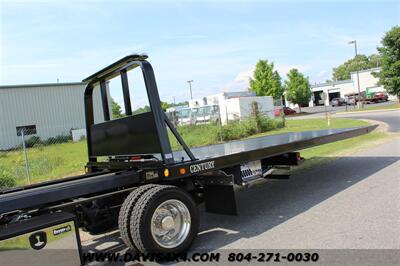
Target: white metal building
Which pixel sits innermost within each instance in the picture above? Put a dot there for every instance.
(218, 98)
(236, 105)
(344, 88)
(242, 107)
(44, 110)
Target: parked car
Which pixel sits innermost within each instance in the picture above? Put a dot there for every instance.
(289, 111)
(351, 100)
(382, 96)
(286, 111)
(338, 102)
(377, 97)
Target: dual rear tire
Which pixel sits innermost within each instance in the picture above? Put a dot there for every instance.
(158, 218)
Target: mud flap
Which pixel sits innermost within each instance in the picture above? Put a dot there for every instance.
(220, 199)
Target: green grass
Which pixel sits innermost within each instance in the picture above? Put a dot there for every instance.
(61, 160)
(371, 107)
(46, 162)
(314, 124)
(343, 147)
(199, 135)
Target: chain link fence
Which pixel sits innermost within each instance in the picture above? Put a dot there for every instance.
(36, 155)
(213, 125)
(28, 157)
(213, 114)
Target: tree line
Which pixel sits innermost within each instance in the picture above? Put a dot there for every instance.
(267, 82)
(117, 110)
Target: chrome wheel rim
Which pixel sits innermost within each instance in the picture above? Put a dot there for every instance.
(170, 223)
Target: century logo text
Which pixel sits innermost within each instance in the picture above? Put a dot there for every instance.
(201, 167)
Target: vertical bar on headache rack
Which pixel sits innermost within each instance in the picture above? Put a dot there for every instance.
(28, 173)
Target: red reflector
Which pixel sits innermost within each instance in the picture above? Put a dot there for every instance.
(135, 158)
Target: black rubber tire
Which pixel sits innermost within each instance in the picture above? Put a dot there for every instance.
(124, 218)
(143, 212)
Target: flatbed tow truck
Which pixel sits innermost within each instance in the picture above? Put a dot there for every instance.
(134, 181)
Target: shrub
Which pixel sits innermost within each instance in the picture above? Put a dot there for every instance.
(241, 129)
(33, 141)
(237, 129)
(6, 180)
(58, 139)
(267, 124)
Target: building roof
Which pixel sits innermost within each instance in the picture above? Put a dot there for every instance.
(41, 85)
(367, 70)
(331, 83)
(344, 81)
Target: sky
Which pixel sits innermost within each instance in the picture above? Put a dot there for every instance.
(215, 44)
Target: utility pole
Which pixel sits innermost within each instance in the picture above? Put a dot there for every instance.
(190, 88)
(359, 103)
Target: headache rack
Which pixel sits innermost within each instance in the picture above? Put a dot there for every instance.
(139, 134)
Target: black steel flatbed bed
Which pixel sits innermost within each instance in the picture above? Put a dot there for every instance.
(275, 144)
(224, 155)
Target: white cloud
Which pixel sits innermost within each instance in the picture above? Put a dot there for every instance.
(189, 36)
(241, 81)
(283, 70)
(322, 73)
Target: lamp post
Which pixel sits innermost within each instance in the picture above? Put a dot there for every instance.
(359, 103)
(190, 88)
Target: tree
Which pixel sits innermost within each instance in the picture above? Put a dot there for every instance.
(179, 104)
(266, 82)
(165, 106)
(116, 109)
(375, 60)
(298, 89)
(360, 62)
(141, 110)
(389, 76)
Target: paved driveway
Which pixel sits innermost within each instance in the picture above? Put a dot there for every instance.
(390, 117)
(352, 202)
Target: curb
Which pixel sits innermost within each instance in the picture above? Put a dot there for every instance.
(367, 111)
(382, 126)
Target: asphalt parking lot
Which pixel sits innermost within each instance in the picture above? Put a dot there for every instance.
(320, 109)
(389, 117)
